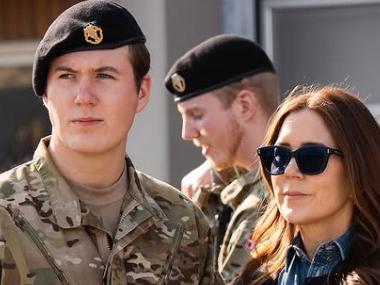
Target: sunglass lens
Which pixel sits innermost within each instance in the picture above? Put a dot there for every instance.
(275, 159)
(311, 160)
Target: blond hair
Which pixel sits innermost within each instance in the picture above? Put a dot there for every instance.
(264, 85)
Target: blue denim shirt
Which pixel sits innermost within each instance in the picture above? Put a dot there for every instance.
(299, 267)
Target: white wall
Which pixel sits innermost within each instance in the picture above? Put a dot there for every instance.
(325, 42)
(171, 27)
(148, 140)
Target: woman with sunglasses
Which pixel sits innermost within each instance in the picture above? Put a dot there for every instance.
(321, 165)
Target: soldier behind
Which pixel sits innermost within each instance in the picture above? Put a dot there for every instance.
(226, 90)
(79, 212)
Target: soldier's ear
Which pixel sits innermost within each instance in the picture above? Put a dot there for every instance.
(44, 99)
(246, 104)
(144, 93)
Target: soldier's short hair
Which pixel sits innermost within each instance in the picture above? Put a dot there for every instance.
(264, 85)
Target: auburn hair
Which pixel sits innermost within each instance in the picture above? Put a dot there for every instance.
(357, 134)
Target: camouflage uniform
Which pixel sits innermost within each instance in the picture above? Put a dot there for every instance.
(44, 233)
(245, 195)
(208, 196)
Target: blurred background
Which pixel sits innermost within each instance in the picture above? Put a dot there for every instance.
(310, 41)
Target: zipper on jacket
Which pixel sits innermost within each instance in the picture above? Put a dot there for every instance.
(27, 228)
(178, 235)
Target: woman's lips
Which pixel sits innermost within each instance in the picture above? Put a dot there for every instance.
(293, 195)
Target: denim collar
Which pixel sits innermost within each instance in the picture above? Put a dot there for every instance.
(340, 247)
(299, 267)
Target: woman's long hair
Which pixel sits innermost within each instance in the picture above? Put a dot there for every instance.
(357, 134)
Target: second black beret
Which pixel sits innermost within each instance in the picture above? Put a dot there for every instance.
(215, 63)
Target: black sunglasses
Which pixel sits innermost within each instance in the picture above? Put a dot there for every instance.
(311, 159)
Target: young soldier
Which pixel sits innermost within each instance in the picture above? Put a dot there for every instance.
(79, 212)
(226, 90)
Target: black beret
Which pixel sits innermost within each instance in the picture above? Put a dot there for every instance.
(88, 25)
(215, 63)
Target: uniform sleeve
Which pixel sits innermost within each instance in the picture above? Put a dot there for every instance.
(207, 197)
(209, 274)
(2, 247)
(238, 251)
(8, 267)
(208, 201)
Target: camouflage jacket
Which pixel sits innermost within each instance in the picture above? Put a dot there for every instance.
(246, 196)
(207, 197)
(162, 238)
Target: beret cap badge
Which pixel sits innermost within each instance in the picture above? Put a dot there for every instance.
(93, 34)
(178, 82)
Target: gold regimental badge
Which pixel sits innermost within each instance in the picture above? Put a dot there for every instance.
(93, 34)
(178, 82)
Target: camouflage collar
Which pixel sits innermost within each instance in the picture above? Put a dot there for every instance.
(137, 191)
(226, 176)
(64, 203)
(234, 193)
(140, 213)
